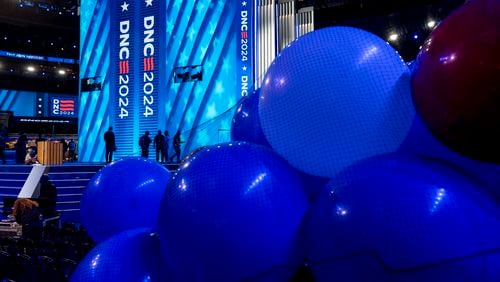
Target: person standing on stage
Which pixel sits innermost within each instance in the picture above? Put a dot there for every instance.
(144, 143)
(159, 144)
(71, 150)
(21, 150)
(109, 139)
(177, 146)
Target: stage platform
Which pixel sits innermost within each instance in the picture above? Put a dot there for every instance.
(70, 179)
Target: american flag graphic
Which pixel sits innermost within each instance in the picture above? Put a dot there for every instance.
(67, 105)
(149, 64)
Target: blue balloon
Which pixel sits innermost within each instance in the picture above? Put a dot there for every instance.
(123, 195)
(245, 125)
(133, 255)
(333, 97)
(231, 212)
(420, 141)
(398, 218)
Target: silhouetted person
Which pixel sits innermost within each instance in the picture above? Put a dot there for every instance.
(22, 140)
(144, 143)
(71, 150)
(159, 145)
(109, 139)
(177, 146)
(27, 213)
(48, 196)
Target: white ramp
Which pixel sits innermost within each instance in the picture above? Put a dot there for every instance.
(31, 189)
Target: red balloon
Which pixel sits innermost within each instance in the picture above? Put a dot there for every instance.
(456, 78)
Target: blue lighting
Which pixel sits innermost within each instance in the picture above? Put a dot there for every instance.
(186, 33)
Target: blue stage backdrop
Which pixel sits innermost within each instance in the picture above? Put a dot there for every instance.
(163, 65)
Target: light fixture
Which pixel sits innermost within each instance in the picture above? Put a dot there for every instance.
(30, 68)
(61, 72)
(431, 24)
(393, 37)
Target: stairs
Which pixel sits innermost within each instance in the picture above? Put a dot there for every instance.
(12, 178)
(70, 182)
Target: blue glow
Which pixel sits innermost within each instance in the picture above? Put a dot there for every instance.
(440, 195)
(202, 33)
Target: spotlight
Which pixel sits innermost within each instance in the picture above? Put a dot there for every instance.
(61, 72)
(393, 37)
(431, 24)
(30, 68)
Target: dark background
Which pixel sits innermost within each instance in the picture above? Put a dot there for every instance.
(51, 28)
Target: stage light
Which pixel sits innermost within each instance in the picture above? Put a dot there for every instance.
(393, 37)
(5, 38)
(61, 72)
(431, 24)
(30, 68)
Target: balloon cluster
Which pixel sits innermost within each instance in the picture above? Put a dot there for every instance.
(344, 163)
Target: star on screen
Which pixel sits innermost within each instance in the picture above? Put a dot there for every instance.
(124, 6)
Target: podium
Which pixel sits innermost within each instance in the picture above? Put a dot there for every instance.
(50, 152)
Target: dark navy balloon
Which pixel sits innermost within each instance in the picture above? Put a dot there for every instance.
(333, 97)
(133, 255)
(231, 212)
(123, 195)
(420, 141)
(396, 218)
(245, 125)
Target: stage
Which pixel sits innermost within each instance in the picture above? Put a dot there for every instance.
(70, 179)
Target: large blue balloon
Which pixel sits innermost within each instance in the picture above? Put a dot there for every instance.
(231, 212)
(396, 218)
(123, 195)
(333, 97)
(133, 255)
(245, 125)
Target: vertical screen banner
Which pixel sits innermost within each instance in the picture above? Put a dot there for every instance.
(245, 50)
(123, 59)
(149, 60)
